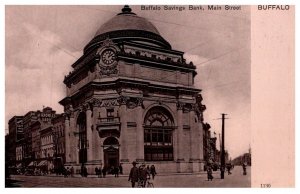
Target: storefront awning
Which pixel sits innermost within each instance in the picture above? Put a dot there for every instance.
(43, 163)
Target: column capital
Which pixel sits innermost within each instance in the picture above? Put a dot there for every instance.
(69, 112)
(94, 102)
(122, 100)
(180, 105)
(139, 101)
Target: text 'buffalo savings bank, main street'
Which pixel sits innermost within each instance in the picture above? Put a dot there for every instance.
(130, 97)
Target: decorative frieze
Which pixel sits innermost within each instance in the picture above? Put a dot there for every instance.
(110, 102)
(108, 70)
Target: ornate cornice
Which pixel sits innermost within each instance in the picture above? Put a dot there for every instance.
(136, 56)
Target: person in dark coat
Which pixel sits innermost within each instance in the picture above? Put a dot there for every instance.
(152, 171)
(244, 169)
(228, 166)
(121, 168)
(209, 173)
(85, 173)
(116, 171)
(143, 174)
(82, 170)
(104, 171)
(97, 171)
(72, 171)
(134, 174)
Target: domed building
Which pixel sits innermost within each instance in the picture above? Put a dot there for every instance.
(131, 97)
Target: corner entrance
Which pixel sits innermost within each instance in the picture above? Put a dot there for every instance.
(111, 153)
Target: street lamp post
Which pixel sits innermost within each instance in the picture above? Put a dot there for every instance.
(223, 147)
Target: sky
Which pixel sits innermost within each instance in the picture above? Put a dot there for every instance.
(42, 42)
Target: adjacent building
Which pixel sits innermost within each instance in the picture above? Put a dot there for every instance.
(24, 146)
(15, 128)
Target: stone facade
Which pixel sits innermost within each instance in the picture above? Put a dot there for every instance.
(130, 97)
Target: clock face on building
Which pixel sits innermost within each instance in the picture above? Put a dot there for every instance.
(108, 57)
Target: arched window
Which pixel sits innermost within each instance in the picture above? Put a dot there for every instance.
(82, 144)
(158, 135)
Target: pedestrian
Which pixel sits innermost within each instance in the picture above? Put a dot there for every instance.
(152, 171)
(116, 171)
(99, 172)
(244, 169)
(65, 172)
(96, 171)
(148, 172)
(228, 166)
(85, 172)
(134, 174)
(209, 173)
(143, 174)
(72, 171)
(82, 170)
(121, 168)
(104, 171)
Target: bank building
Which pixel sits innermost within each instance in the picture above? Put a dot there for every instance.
(131, 97)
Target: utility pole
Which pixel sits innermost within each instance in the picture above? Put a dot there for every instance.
(223, 147)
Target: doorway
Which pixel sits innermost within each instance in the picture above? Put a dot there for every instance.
(111, 153)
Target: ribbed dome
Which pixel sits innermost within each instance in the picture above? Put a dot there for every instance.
(127, 20)
(128, 26)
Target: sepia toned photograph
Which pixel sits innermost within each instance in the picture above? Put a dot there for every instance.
(121, 96)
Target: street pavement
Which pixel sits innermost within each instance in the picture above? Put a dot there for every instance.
(235, 180)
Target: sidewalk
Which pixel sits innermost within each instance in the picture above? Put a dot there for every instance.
(126, 175)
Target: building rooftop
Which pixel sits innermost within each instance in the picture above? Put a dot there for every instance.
(127, 20)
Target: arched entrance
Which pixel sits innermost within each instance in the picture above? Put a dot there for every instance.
(111, 152)
(158, 135)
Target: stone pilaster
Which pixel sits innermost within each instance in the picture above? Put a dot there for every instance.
(73, 141)
(193, 137)
(67, 140)
(96, 138)
(200, 132)
(123, 135)
(179, 132)
(139, 132)
(89, 134)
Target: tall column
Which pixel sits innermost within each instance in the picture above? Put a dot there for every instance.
(194, 149)
(89, 134)
(139, 132)
(179, 132)
(73, 140)
(67, 140)
(124, 134)
(101, 114)
(201, 155)
(96, 138)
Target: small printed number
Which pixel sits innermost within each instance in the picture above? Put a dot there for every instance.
(265, 185)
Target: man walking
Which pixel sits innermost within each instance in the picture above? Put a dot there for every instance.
(153, 171)
(134, 174)
(97, 171)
